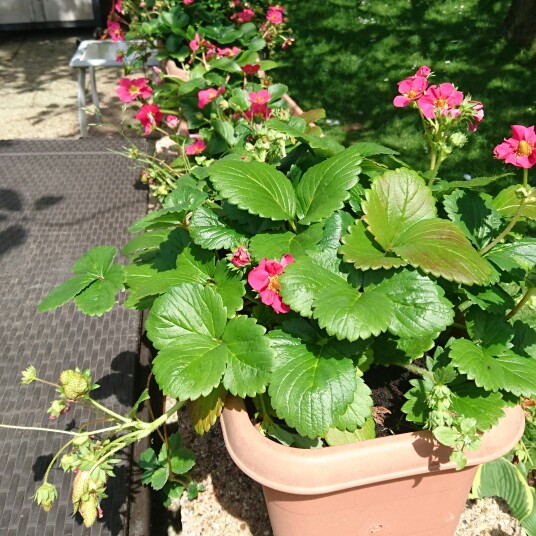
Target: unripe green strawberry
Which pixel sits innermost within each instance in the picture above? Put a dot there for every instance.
(46, 495)
(88, 510)
(80, 486)
(74, 384)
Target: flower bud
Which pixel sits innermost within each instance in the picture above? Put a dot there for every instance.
(58, 408)
(458, 139)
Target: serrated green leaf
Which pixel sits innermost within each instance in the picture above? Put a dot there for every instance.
(476, 217)
(249, 358)
(524, 340)
(256, 187)
(492, 331)
(507, 203)
(65, 292)
(342, 437)
(160, 219)
(360, 409)
(187, 309)
(443, 187)
(301, 281)
(204, 411)
(391, 350)
(99, 296)
(196, 263)
(191, 367)
(274, 246)
(345, 312)
(500, 478)
(323, 188)
(495, 299)
(95, 262)
(360, 249)
(471, 401)
(512, 255)
(209, 232)
(149, 241)
(309, 392)
(445, 435)
(508, 371)
(159, 478)
(401, 215)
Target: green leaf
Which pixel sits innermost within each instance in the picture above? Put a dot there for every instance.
(491, 331)
(99, 296)
(507, 203)
(369, 148)
(149, 241)
(345, 312)
(160, 219)
(209, 232)
(250, 356)
(529, 522)
(360, 249)
(196, 263)
(230, 286)
(225, 130)
(159, 478)
(256, 187)
(277, 91)
(500, 478)
(301, 281)
(356, 414)
(141, 399)
(443, 187)
(95, 262)
(445, 435)
(182, 459)
(309, 392)
(187, 309)
(401, 215)
(324, 187)
(65, 292)
(495, 299)
(274, 246)
(191, 367)
(204, 411)
(512, 255)
(342, 437)
(508, 371)
(471, 401)
(476, 217)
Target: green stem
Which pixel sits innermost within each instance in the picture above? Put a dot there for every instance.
(53, 461)
(39, 429)
(521, 303)
(509, 227)
(108, 411)
(46, 383)
(419, 371)
(525, 177)
(293, 226)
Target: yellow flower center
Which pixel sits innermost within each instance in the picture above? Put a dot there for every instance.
(441, 103)
(524, 148)
(133, 89)
(274, 283)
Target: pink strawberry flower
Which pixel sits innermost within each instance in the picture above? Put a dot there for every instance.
(243, 16)
(275, 16)
(195, 43)
(520, 149)
(114, 29)
(197, 147)
(188, 2)
(265, 279)
(251, 69)
(130, 90)
(410, 89)
(228, 52)
(149, 116)
(118, 6)
(206, 96)
(261, 97)
(172, 121)
(423, 71)
(478, 115)
(287, 42)
(157, 75)
(240, 257)
(442, 99)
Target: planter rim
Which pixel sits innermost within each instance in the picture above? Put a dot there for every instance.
(330, 469)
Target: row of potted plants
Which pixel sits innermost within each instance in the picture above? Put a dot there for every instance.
(295, 274)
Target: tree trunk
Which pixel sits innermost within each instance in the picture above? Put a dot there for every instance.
(520, 22)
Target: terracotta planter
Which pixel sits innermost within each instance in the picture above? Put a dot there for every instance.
(397, 485)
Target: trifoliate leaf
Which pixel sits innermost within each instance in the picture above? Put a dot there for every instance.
(65, 292)
(309, 392)
(507, 371)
